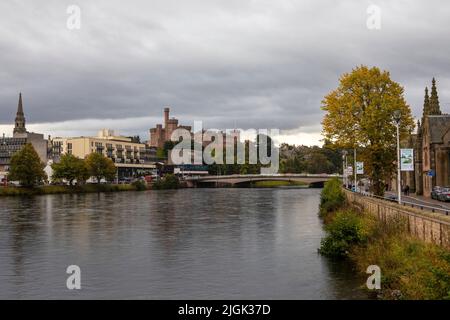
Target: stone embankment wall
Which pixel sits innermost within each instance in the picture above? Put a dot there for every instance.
(425, 225)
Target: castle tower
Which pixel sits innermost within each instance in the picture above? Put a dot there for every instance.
(166, 116)
(19, 126)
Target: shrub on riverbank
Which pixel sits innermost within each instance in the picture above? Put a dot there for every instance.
(410, 268)
(139, 185)
(346, 229)
(332, 197)
(88, 188)
(169, 181)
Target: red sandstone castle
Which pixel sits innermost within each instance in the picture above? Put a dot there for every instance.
(159, 135)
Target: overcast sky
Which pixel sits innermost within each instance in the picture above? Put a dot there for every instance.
(228, 63)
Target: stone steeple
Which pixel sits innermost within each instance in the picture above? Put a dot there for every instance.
(426, 105)
(435, 109)
(19, 126)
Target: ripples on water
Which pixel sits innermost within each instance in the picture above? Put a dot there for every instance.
(176, 244)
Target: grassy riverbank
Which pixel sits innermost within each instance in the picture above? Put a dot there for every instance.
(410, 268)
(88, 188)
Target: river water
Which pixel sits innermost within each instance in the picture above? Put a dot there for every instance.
(174, 244)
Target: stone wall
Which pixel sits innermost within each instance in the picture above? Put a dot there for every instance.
(424, 225)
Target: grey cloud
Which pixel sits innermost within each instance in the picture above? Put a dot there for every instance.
(260, 64)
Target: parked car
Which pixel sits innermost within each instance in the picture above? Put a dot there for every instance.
(436, 191)
(444, 195)
(392, 198)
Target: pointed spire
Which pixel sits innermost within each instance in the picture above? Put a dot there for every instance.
(20, 107)
(426, 105)
(435, 109)
(19, 126)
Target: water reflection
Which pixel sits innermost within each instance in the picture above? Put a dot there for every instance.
(191, 243)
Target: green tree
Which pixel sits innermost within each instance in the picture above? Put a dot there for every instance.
(70, 168)
(168, 145)
(319, 163)
(359, 114)
(160, 153)
(26, 167)
(301, 159)
(100, 167)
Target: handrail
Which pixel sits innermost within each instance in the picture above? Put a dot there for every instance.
(404, 203)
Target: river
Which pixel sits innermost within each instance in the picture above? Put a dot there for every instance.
(174, 244)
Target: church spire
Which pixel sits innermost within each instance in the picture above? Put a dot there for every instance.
(426, 105)
(435, 109)
(19, 126)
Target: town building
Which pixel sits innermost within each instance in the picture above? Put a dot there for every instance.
(10, 145)
(160, 134)
(431, 146)
(131, 158)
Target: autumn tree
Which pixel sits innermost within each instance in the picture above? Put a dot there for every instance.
(100, 167)
(359, 114)
(70, 168)
(26, 167)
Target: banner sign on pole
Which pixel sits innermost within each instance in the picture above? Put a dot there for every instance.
(407, 159)
(359, 167)
(350, 171)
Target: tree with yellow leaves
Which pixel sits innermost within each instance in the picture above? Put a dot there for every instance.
(359, 114)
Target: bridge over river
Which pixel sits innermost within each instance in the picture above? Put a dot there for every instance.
(313, 180)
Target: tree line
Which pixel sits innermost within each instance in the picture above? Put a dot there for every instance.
(304, 159)
(27, 168)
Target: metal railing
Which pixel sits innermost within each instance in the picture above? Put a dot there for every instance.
(276, 175)
(441, 209)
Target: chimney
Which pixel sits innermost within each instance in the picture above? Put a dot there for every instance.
(166, 116)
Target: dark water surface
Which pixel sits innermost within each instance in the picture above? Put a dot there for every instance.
(177, 244)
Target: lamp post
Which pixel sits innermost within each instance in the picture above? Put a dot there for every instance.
(344, 165)
(354, 168)
(397, 118)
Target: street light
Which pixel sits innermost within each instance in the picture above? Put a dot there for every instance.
(397, 118)
(354, 169)
(344, 164)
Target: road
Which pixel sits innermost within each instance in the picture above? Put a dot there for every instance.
(421, 200)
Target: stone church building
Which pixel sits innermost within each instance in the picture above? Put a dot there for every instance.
(431, 146)
(21, 136)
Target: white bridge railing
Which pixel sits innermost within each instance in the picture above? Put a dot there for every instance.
(259, 176)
